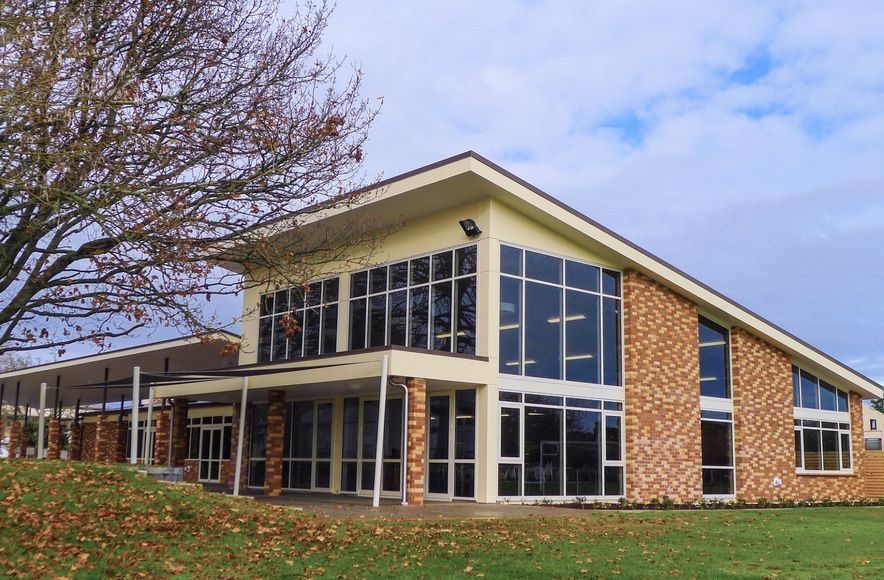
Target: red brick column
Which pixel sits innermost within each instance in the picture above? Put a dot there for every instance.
(15, 437)
(229, 468)
(53, 451)
(179, 432)
(417, 441)
(275, 427)
(662, 389)
(117, 451)
(75, 451)
(162, 437)
(100, 436)
(3, 430)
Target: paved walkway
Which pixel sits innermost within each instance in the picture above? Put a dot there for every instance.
(355, 507)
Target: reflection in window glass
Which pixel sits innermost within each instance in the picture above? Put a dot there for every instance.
(438, 436)
(420, 312)
(583, 452)
(509, 480)
(828, 397)
(465, 424)
(442, 316)
(611, 338)
(510, 325)
(809, 391)
(543, 331)
(465, 300)
(717, 457)
(543, 451)
(813, 459)
(714, 356)
(582, 337)
(543, 267)
(510, 436)
(583, 276)
(398, 317)
(511, 260)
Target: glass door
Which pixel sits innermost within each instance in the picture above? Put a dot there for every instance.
(307, 447)
(210, 454)
(451, 449)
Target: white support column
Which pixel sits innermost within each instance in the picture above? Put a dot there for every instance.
(237, 470)
(41, 421)
(136, 402)
(145, 456)
(379, 450)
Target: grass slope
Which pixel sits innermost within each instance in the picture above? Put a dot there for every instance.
(83, 520)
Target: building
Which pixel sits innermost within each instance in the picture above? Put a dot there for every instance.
(873, 428)
(524, 352)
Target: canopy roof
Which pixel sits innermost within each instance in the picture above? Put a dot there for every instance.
(88, 373)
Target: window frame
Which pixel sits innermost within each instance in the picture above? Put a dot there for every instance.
(733, 467)
(728, 370)
(410, 286)
(564, 287)
(320, 307)
(799, 427)
(564, 407)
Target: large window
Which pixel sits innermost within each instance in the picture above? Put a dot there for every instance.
(307, 445)
(298, 321)
(258, 446)
(809, 392)
(451, 445)
(717, 439)
(359, 445)
(552, 446)
(427, 302)
(714, 360)
(559, 319)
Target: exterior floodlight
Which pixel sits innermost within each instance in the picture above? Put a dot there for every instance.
(470, 228)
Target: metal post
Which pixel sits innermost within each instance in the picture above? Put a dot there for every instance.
(41, 420)
(147, 446)
(136, 402)
(104, 392)
(237, 470)
(379, 451)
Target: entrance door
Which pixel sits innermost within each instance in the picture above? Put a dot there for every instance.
(438, 448)
(451, 448)
(210, 454)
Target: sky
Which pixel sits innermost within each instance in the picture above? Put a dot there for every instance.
(740, 141)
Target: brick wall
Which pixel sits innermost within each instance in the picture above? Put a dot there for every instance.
(662, 389)
(179, 432)
(75, 451)
(162, 437)
(764, 440)
(53, 449)
(417, 438)
(89, 433)
(275, 423)
(191, 470)
(15, 437)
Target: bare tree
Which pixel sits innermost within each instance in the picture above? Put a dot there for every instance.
(142, 142)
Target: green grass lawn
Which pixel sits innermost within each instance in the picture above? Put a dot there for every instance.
(84, 520)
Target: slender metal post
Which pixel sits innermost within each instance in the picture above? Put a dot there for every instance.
(147, 445)
(404, 466)
(104, 392)
(379, 451)
(41, 420)
(237, 470)
(136, 402)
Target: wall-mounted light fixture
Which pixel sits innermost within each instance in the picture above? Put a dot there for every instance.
(470, 228)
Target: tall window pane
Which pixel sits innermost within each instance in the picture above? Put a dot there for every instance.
(465, 300)
(377, 320)
(357, 324)
(420, 312)
(511, 260)
(810, 398)
(613, 448)
(582, 331)
(831, 459)
(510, 432)
(442, 316)
(351, 428)
(828, 397)
(510, 325)
(311, 331)
(398, 317)
(583, 452)
(465, 260)
(714, 371)
(813, 459)
(329, 333)
(611, 337)
(439, 417)
(543, 451)
(796, 387)
(543, 331)
(582, 276)
(465, 424)
(845, 450)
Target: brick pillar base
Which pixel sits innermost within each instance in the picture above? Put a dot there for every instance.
(118, 448)
(161, 436)
(15, 434)
(244, 460)
(275, 426)
(75, 451)
(417, 441)
(54, 449)
(179, 432)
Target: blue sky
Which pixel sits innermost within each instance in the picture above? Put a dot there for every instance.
(741, 141)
